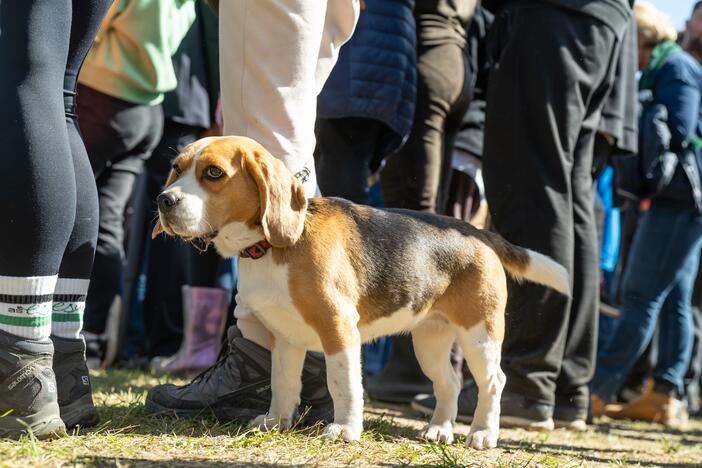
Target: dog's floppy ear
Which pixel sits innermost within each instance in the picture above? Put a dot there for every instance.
(158, 229)
(282, 198)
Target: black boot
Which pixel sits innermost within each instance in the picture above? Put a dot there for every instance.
(28, 398)
(238, 387)
(75, 395)
(402, 378)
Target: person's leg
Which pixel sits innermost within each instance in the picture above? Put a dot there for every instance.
(269, 93)
(652, 272)
(38, 203)
(114, 188)
(692, 378)
(272, 80)
(73, 380)
(169, 259)
(184, 331)
(528, 176)
(677, 329)
(412, 179)
(344, 150)
(412, 176)
(272, 96)
(118, 137)
(39, 196)
(451, 128)
(77, 262)
(577, 367)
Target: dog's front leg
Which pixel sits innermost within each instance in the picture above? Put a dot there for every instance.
(286, 369)
(344, 381)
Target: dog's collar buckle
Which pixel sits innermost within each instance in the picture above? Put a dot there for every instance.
(256, 251)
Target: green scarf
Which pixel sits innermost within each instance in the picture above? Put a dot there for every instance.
(659, 56)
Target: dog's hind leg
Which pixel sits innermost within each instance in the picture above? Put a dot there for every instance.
(482, 352)
(432, 340)
(286, 370)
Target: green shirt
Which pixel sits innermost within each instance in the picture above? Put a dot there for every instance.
(131, 56)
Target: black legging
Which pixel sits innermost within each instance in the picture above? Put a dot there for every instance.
(48, 200)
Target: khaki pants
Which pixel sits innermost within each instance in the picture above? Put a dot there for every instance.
(275, 56)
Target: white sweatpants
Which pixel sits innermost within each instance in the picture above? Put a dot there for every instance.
(274, 57)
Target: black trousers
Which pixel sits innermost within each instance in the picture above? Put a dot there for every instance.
(119, 137)
(417, 176)
(345, 149)
(172, 263)
(48, 199)
(552, 71)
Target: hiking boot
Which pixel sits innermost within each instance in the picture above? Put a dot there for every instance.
(654, 406)
(402, 379)
(516, 410)
(238, 387)
(204, 317)
(75, 395)
(28, 400)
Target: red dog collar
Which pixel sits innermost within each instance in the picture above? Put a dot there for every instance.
(256, 251)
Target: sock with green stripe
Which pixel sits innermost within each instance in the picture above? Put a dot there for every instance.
(25, 306)
(68, 308)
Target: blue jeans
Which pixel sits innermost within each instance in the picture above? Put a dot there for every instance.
(658, 281)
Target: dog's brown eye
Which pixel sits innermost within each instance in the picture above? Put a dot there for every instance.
(213, 172)
(176, 169)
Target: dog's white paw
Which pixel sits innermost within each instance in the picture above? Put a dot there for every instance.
(347, 432)
(267, 423)
(482, 439)
(438, 432)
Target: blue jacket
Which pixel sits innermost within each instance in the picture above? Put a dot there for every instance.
(375, 76)
(678, 86)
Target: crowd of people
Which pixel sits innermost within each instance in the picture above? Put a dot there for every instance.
(521, 117)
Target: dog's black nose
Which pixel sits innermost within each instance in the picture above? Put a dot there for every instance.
(166, 201)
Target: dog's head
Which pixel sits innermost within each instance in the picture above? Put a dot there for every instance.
(231, 191)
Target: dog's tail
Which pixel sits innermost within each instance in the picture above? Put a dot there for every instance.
(525, 264)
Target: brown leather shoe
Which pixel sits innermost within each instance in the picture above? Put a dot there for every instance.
(653, 406)
(598, 406)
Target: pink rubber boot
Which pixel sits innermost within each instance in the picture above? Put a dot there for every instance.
(205, 314)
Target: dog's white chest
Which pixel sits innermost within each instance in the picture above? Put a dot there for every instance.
(263, 289)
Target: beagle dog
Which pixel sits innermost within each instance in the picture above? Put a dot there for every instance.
(324, 274)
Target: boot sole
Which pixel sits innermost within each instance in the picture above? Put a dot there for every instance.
(44, 424)
(81, 412)
(240, 416)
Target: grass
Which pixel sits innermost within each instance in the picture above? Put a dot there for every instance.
(129, 436)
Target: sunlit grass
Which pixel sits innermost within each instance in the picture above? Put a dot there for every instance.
(129, 436)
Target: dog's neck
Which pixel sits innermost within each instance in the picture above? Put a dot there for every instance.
(234, 237)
